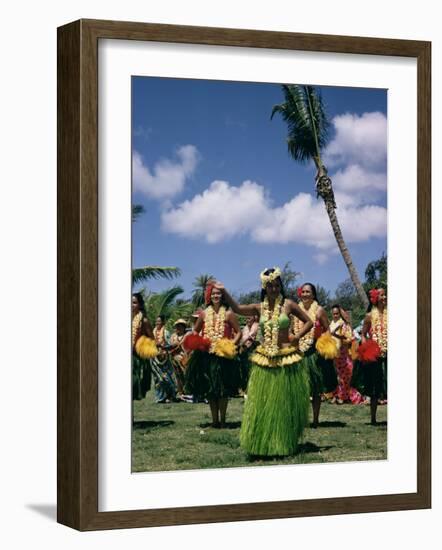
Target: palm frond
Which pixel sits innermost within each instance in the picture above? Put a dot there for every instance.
(140, 274)
(307, 123)
(137, 210)
(160, 303)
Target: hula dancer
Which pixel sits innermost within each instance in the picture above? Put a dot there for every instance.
(320, 366)
(213, 370)
(143, 348)
(179, 356)
(340, 329)
(276, 409)
(162, 368)
(371, 374)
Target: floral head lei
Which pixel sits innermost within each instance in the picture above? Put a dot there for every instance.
(374, 295)
(265, 279)
(208, 292)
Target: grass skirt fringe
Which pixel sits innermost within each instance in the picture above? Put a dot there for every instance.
(371, 378)
(212, 377)
(322, 373)
(141, 377)
(276, 410)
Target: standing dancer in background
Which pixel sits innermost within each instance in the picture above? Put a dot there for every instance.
(276, 409)
(371, 372)
(162, 369)
(179, 357)
(141, 371)
(321, 371)
(213, 368)
(340, 329)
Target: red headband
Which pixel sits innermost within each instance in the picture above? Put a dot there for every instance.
(374, 295)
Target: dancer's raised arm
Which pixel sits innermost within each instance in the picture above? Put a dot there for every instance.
(242, 309)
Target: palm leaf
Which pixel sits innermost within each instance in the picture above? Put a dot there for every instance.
(160, 303)
(307, 123)
(140, 274)
(137, 210)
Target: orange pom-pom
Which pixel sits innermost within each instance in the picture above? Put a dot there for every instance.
(369, 351)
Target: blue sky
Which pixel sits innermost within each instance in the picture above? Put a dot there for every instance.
(222, 195)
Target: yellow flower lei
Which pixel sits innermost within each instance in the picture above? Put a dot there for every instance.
(379, 326)
(214, 325)
(136, 322)
(306, 342)
(271, 325)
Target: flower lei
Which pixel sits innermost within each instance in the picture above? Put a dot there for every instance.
(271, 325)
(136, 323)
(308, 339)
(265, 279)
(214, 325)
(379, 325)
(159, 335)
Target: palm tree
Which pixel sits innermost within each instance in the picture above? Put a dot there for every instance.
(163, 303)
(137, 210)
(199, 285)
(308, 131)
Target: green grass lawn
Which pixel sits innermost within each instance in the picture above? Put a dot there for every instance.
(177, 436)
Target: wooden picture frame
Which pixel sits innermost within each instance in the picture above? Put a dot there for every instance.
(77, 225)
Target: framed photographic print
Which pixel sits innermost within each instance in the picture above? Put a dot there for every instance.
(237, 212)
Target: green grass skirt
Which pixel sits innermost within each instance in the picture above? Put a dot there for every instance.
(322, 373)
(212, 377)
(371, 378)
(141, 377)
(276, 410)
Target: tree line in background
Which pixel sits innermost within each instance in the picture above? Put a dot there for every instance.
(173, 306)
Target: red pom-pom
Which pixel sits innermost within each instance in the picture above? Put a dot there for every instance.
(369, 351)
(194, 342)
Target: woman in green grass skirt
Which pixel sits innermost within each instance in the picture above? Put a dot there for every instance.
(276, 408)
(321, 371)
(213, 368)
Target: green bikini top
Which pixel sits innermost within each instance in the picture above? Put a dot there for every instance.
(283, 321)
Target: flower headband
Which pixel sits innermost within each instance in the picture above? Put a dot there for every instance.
(265, 279)
(208, 292)
(374, 295)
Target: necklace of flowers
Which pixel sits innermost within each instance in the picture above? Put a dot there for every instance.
(214, 325)
(308, 339)
(159, 335)
(136, 322)
(271, 325)
(379, 325)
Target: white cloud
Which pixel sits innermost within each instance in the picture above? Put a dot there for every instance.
(358, 185)
(167, 178)
(359, 140)
(223, 211)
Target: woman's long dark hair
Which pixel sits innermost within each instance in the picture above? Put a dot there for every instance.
(312, 286)
(140, 300)
(263, 290)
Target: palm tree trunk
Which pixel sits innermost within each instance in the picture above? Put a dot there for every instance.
(345, 253)
(324, 189)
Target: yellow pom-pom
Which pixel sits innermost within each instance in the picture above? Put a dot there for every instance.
(146, 348)
(225, 348)
(354, 350)
(326, 346)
